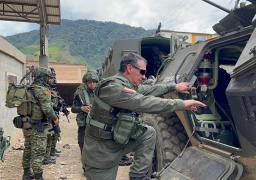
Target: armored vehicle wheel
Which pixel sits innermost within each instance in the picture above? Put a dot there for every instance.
(170, 141)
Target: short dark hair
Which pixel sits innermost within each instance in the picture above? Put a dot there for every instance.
(130, 58)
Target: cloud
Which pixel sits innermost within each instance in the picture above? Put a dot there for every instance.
(179, 15)
(9, 27)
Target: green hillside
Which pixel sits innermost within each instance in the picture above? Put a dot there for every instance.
(77, 42)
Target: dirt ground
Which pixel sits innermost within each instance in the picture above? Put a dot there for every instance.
(68, 165)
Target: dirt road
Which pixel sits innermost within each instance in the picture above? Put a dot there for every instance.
(68, 165)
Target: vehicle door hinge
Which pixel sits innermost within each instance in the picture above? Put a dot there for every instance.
(253, 51)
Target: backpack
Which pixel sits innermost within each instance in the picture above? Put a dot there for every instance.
(20, 97)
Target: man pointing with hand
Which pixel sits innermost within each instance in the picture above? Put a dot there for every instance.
(114, 127)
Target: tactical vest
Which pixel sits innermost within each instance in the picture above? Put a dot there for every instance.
(107, 122)
(87, 98)
(100, 110)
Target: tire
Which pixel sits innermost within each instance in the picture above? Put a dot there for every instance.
(170, 139)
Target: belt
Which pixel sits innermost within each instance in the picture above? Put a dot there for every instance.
(98, 129)
(98, 133)
(100, 125)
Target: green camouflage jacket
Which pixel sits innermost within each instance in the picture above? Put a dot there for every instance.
(44, 108)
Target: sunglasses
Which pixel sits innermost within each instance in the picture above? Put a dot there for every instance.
(142, 71)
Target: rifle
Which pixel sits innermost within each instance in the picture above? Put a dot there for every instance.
(4, 144)
(55, 129)
(62, 107)
(81, 100)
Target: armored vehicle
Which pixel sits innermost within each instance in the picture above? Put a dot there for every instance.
(218, 142)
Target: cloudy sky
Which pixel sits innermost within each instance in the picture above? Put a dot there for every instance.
(179, 15)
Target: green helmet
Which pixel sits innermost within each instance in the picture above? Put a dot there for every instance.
(90, 76)
(42, 74)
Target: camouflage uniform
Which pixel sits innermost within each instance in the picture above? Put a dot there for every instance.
(52, 137)
(58, 106)
(55, 136)
(101, 153)
(84, 94)
(36, 136)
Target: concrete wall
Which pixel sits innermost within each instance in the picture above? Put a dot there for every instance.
(12, 63)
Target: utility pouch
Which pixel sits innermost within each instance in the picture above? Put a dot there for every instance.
(17, 122)
(124, 127)
(138, 130)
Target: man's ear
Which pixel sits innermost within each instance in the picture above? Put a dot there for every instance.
(129, 68)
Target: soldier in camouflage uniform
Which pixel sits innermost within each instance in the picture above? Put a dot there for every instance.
(54, 134)
(59, 105)
(50, 134)
(83, 98)
(35, 133)
(114, 127)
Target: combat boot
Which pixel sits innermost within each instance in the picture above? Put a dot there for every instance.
(50, 160)
(54, 154)
(39, 176)
(57, 151)
(28, 175)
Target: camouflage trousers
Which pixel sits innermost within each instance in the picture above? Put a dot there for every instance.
(100, 157)
(34, 152)
(51, 145)
(55, 139)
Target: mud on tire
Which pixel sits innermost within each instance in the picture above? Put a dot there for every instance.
(170, 138)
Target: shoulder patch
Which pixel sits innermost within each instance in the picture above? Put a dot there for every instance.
(128, 90)
(47, 93)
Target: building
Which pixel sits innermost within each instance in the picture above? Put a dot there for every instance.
(190, 37)
(12, 66)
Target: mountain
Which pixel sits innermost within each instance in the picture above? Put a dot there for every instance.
(77, 42)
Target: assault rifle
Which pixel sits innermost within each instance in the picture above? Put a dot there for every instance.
(4, 144)
(62, 107)
(81, 100)
(55, 129)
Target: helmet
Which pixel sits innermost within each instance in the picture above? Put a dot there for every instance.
(90, 76)
(42, 74)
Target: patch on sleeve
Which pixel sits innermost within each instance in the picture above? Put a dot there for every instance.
(47, 93)
(128, 90)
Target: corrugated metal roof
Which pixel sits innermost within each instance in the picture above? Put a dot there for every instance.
(38, 11)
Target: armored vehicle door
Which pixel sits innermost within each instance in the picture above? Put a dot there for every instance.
(182, 64)
(120, 48)
(198, 164)
(241, 94)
